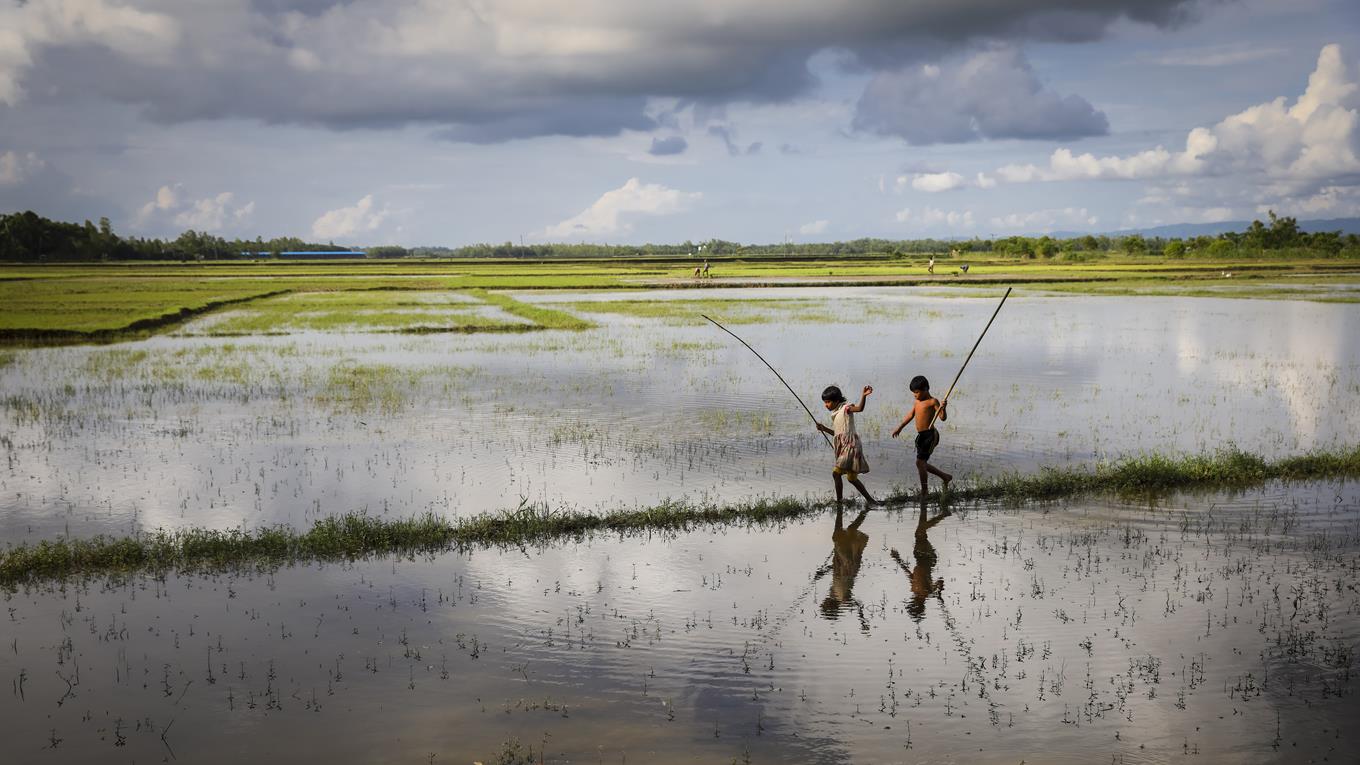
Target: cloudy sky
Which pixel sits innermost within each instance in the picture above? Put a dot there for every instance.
(447, 122)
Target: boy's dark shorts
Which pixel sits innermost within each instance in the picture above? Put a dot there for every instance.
(926, 441)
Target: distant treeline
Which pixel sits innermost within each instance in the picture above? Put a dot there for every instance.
(28, 237)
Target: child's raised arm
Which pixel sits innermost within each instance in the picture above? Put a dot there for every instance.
(863, 397)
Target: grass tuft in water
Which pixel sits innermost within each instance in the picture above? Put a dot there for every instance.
(1155, 473)
(349, 537)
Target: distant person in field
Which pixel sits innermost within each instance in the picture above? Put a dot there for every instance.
(927, 437)
(706, 274)
(930, 267)
(964, 268)
(697, 272)
(847, 550)
(922, 586)
(850, 460)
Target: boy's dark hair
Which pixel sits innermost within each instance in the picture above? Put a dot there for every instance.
(919, 382)
(832, 393)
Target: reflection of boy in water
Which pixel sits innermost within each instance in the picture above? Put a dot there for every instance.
(847, 550)
(924, 552)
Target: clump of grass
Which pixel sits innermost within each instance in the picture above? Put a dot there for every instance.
(353, 536)
(1155, 473)
(365, 387)
(349, 537)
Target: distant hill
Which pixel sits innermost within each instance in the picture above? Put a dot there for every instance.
(1185, 230)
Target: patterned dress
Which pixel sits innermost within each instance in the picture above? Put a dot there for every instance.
(849, 451)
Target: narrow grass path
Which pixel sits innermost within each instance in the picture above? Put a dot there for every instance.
(352, 537)
(546, 318)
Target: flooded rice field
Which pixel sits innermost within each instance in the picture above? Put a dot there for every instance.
(1213, 627)
(653, 403)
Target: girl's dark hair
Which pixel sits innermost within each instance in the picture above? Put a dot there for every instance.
(832, 393)
(919, 382)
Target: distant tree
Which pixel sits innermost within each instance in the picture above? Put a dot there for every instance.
(1174, 249)
(1222, 248)
(1329, 242)
(1134, 244)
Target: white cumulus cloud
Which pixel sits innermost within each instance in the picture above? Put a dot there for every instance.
(166, 199)
(1301, 147)
(606, 216)
(813, 228)
(933, 217)
(211, 213)
(935, 182)
(206, 214)
(359, 218)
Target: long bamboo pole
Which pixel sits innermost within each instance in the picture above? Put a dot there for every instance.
(945, 400)
(776, 374)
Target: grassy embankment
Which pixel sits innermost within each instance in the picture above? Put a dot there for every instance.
(128, 305)
(352, 537)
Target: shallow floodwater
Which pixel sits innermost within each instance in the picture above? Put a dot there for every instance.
(1215, 627)
(1209, 628)
(191, 430)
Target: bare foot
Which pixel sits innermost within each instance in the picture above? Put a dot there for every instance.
(947, 478)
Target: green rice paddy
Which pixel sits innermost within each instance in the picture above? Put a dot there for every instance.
(119, 301)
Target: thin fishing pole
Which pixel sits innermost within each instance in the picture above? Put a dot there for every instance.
(970, 358)
(776, 374)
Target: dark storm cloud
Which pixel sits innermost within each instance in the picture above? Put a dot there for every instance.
(511, 69)
(665, 147)
(992, 93)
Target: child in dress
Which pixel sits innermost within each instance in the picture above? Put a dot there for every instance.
(850, 460)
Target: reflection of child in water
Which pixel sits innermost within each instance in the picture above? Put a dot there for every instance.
(924, 552)
(848, 549)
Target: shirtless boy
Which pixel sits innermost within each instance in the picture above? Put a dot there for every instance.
(927, 437)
